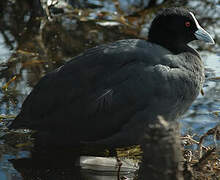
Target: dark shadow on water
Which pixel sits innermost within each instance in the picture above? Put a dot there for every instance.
(48, 166)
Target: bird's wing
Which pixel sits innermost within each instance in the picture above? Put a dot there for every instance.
(86, 82)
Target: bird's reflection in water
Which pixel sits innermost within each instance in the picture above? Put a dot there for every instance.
(48, 166)
(64, 165)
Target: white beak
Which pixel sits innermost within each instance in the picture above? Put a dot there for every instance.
(201, 34)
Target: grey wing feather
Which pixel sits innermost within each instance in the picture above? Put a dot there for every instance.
(104, 101)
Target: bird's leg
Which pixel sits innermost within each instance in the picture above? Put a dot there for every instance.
(118, 165)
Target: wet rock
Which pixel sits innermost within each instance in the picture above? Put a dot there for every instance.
(161, 152)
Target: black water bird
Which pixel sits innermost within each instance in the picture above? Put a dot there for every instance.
(107, 94)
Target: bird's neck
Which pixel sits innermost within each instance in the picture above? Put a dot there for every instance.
(176, 47)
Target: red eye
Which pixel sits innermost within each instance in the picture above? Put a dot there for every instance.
(187, 24)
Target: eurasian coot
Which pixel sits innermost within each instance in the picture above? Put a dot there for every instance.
(107, 94)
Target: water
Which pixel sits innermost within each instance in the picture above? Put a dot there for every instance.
(28, 50)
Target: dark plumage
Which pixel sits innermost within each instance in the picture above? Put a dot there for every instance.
(107, 94)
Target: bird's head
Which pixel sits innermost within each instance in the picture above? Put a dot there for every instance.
(176, 27)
